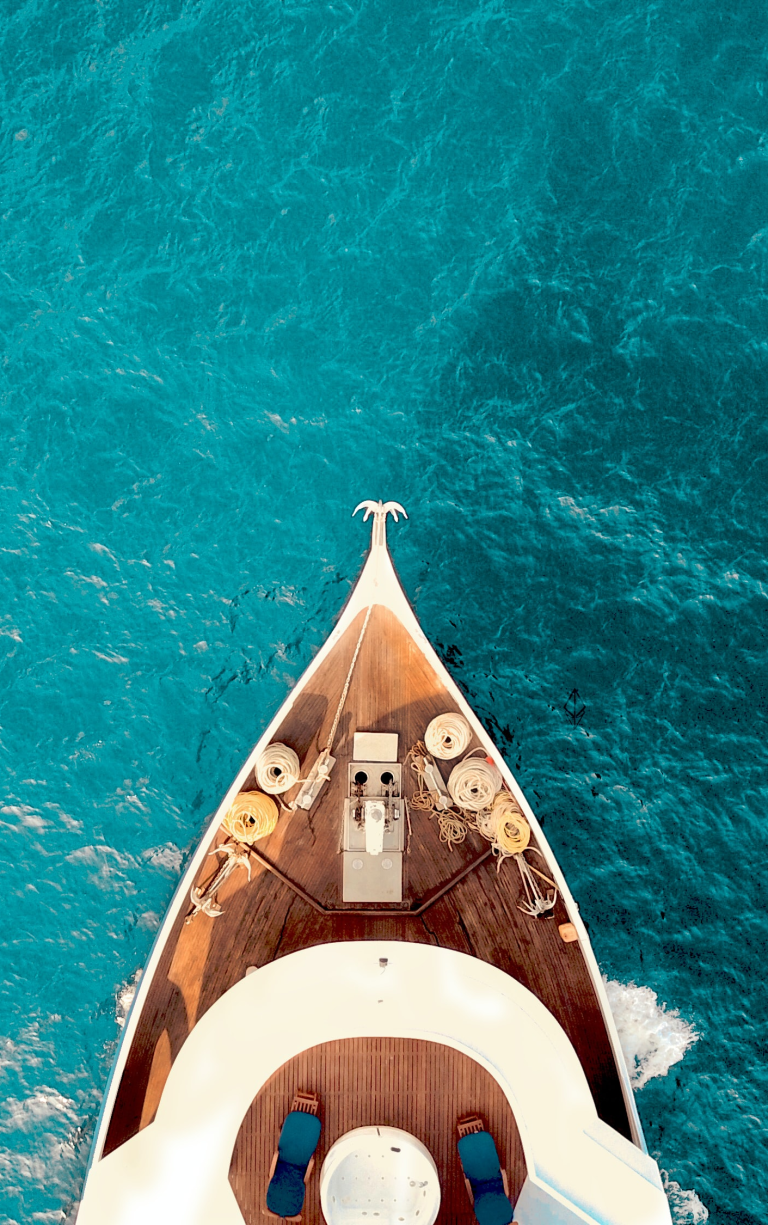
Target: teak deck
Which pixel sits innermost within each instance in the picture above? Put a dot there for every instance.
(394, 689)
(421, 1087)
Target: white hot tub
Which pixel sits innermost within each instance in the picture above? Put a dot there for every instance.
(379, 1176)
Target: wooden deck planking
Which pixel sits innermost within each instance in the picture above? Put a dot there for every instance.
(393, 689)
(421, 1087)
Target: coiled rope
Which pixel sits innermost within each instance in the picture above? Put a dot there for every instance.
(499, 820)
(511, 831)
(453, 828)
(423, 797)
(473, 783)
(485, 823)
(452, 824)
(510, 835)
(251, 815)
(447, 736)
(277, 769)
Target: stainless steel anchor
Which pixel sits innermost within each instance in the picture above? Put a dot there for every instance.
(536, 903)
(204, 900)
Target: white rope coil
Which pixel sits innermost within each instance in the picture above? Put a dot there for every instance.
(277, 769)
(447, 736)
(473, 783)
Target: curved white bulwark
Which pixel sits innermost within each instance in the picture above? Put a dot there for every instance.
(175, 1170)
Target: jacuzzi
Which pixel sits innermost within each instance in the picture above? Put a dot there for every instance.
(379, 1175)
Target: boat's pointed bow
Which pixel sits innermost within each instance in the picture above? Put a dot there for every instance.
(379, 510)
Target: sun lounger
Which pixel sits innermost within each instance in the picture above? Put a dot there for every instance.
(486, 1181)
(292, 1163)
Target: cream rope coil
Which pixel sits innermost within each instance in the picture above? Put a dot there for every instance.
(447, 736)
(485, 823)
(473, 783)
(278, 769)
(251, 815)
(512, 833)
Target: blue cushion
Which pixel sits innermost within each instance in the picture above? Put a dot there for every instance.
(480, 1163)
(285, 1194)
(493, 1208)
(479, 1157)
(299, 1137)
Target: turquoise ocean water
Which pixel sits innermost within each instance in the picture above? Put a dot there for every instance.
(502, 261)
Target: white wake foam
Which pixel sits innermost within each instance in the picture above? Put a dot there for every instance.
(41, 1108)
(166, 856)
(124, 998)
(53, 1123)
(685, 1206)
(653, 1037)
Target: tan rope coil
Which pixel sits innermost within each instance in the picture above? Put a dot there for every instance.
(252, 815)
(473, 783)
(277, 769)
(447, 736)
(451, 824)
(453, 829)
(427, 796)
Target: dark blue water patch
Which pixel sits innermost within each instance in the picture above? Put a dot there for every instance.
(503, 262)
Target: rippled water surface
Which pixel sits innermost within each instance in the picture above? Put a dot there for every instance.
(502, 261)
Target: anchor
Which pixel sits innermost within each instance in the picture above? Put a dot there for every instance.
(204, 900)
(536, 903)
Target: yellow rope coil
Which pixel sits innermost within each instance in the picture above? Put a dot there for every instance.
(252, 815)
(447, 736)
(512, 833)
(277, 769)
(474, 783)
